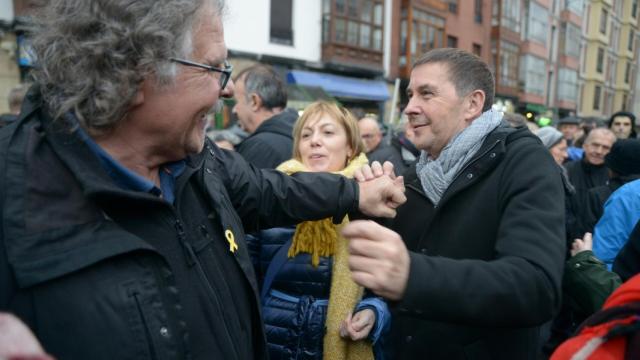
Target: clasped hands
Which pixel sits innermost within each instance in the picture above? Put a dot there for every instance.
(378, 258)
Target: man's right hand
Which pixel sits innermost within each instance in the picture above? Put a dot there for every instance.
(381, 192)
(17, 342)
(381, 196)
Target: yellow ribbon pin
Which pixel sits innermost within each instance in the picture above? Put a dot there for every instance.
(231, 240)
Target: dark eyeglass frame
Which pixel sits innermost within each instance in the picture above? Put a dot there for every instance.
(225, 73)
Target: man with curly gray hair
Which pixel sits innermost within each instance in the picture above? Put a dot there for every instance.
(122, 232)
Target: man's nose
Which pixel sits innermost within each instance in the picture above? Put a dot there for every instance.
(228, 90)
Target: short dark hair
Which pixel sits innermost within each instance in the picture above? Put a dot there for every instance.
(266, 83)
(630, 116)
(467, 72)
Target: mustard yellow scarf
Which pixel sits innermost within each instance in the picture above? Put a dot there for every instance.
(322, 238)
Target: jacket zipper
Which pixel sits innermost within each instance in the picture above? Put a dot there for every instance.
(193, 259)
(147, 331)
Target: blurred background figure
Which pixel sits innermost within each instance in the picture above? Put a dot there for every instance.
(554, 140)
(623, 163)
(225, 139)
(590, 171)
(622, 124)
(569, 127)
(16, 95)
(303, 271)
(261, 100)
(402, 141)
(376, 148)
(515, 119)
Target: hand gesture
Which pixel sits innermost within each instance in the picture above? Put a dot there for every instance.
(580, 245)
(358, 326)
(378, 258)
(17, 341)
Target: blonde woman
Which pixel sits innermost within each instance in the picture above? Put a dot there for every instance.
(311, 307)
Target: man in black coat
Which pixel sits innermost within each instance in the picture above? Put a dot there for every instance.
(261, 100)
(623, 163)
(473, 261)
(376, 148)
(122, 232)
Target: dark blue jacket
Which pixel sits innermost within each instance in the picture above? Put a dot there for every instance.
(295, 309)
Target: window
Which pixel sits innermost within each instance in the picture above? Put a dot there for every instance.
(537, 23)
(634, 9)
(357, 23)
(477, 11)
(452, 41)
(533, 74)
(427, 33)
(600, 60)
(281, 31)
(571, 39)
(567, 84)
(596, 97)
(508, 64)
(575, 6)
(510, 14)
(627, 73)
(603, 21)
(477, 49)
(453, 6)
(624, 101)
(631, 38)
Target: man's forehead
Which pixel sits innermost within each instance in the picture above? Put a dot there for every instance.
(622, 118)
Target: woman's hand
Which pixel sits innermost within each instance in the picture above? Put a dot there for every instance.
(358, 326)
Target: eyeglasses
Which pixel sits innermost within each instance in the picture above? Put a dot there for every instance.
(225, 73)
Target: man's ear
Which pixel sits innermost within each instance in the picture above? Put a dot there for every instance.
(256, 102)
(473, 104)
(138, 98)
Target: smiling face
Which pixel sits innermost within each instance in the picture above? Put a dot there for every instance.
(323, 144)
(172, 119)
(435, 110)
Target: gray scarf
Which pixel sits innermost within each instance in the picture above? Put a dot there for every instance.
(436, 175)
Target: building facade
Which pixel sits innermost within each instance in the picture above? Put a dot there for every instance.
(608, 69)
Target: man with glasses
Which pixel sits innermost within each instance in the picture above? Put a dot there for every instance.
(122, 232)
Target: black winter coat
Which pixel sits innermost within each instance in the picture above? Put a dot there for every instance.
(272, 142)
(99, 272)
(487, 262)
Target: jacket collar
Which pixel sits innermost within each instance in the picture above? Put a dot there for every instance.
(75, 153)
(486, 159)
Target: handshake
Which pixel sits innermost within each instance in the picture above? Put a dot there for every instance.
(378, 258)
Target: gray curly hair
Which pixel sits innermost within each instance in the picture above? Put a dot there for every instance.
(94, 54)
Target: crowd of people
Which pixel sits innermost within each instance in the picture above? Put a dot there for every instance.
(129, 231)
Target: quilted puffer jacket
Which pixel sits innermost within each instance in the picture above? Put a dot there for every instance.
(295, 308)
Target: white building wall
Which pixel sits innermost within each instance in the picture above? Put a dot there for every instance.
(247, 25)
(6, 10)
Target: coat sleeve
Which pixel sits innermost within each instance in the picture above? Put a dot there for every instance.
(382, 313)
(588, 283)
(621, 212)
(268, 198)
(521, 286)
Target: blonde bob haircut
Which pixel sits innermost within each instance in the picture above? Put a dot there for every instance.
(338, 113)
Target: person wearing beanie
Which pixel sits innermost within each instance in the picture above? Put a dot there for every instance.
(622, 124)
(623, 163)
(553, 140)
